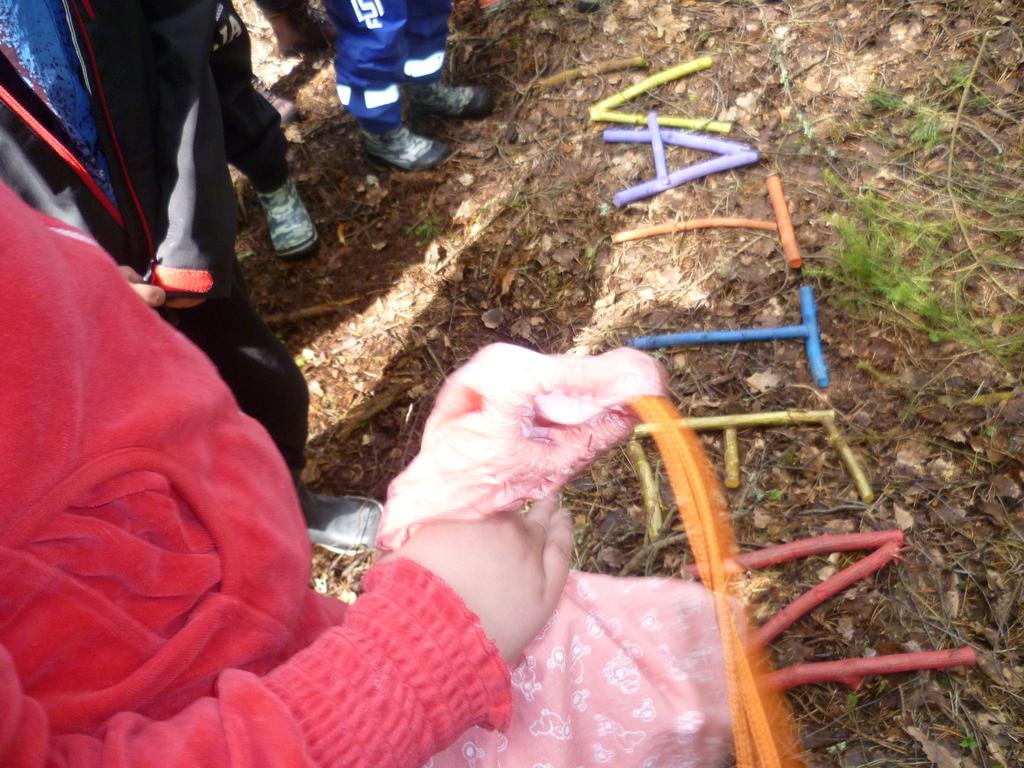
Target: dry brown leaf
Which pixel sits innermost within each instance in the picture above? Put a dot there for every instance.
(762, 381)
(940, 755)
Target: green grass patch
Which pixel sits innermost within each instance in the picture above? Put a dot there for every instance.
(884, 100)
(427, 229)
(910, 259)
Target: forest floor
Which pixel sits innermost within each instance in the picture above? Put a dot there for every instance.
(897, 130)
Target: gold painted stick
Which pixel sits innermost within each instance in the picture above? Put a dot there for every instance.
(742, 420)
(648, 488)
(860, 479)
(732, 458)
(732, 422)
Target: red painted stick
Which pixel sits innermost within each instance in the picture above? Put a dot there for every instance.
(815, 596)
(819, 545)
(851, 672)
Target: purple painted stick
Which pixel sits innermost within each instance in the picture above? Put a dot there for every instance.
(683, 175)
(660, 166)
(677, 139)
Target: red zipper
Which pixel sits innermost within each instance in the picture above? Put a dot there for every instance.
(88, 9)
(110, 127)
(65, 154)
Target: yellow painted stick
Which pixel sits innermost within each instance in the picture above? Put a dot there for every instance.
(660, 78)
(666, 121)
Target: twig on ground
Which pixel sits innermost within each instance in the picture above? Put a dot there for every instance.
(311, 313)
(612, 65)
(367, 411)
(968, 85)
(688, 226)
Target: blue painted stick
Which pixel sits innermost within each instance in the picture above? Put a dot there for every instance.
(808, 330)
(683, 175)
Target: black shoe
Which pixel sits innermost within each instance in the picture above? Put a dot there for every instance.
(342, 524)
(586, 6)
(285, 107)
(404, 149)
(466, 101)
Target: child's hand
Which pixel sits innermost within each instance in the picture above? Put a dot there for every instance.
(509, 569)
(512, 425)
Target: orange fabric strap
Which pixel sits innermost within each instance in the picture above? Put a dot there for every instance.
(761, 723)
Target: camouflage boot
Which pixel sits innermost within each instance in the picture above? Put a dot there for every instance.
(404, 149)
(471, 101)
(292, 231)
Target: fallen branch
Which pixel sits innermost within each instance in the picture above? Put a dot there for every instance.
(689, 226)
(612, 65)
(310, 313)
(851, 672)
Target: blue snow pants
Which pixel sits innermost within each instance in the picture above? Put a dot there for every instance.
(382, 43)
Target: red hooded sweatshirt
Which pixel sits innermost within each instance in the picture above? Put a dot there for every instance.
(154, 608)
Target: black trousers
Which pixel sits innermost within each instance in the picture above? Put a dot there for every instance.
(256, 367)
(253, 139)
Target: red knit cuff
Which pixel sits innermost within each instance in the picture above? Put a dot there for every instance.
(407, 673)
(458, 636)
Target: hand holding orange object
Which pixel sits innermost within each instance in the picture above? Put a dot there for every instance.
(761, 723)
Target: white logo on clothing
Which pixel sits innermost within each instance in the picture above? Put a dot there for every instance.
(368, 12)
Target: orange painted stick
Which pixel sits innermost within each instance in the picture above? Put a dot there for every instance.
(785, 223)
(687, 226)
(761, 724)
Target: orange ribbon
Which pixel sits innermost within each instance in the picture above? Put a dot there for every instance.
(761, 723)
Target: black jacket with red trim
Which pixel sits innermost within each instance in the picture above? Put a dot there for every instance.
(158, 117)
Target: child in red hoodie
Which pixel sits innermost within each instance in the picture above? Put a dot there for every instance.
(154, 607)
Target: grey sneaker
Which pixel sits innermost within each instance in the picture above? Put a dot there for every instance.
(342, 524)
(450, 100)
(291, 230)
(404, 149)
